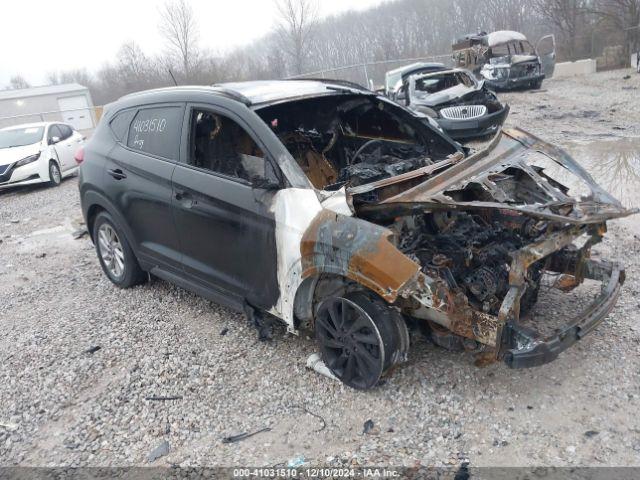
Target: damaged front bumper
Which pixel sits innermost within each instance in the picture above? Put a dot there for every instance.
(513, 83)
(526, 348)
(522, 346)
(504, 336)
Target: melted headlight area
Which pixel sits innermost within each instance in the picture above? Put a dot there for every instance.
(482, 272)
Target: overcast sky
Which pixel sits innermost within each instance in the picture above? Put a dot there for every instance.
(37, 37)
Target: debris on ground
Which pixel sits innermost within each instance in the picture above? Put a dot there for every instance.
(163, 399)
(260, 320)
(41, 255)
(92, 349)
(160, 451)
(12, 427)
(77, 234)
(296, 462)
(243, 436)
(591, 433)
(224, 331)
(369, 428)
(314, 362)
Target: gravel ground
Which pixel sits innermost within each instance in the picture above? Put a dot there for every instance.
(81, 361)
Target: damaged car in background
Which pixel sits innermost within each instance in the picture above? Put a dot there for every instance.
(463, 106)
(331, 207)
(506, 60)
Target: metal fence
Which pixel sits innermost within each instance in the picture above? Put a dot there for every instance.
(371, 74)
(82, 119)
(609, 49)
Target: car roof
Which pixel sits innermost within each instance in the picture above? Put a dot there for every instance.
(261, 92)
(504, 36)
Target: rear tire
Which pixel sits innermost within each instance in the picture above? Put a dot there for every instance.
(360, 338)
(55, 177)
(115, 254)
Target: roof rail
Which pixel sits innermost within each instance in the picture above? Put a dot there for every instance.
(343, 83)
(211, 89)
(231, 94)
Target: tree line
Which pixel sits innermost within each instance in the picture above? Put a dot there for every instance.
(302, 42)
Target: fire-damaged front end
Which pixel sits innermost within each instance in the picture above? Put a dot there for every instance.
(487, 232)
(401, 226)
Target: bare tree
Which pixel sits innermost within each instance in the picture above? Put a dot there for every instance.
(623, 16)
(180, 29)
(568, 18)
(18, 82)
(298, 19)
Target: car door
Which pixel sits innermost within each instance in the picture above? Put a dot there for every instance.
(66, 148)
(53, 140)
(138, 172)
(222, 192)
(546, 49)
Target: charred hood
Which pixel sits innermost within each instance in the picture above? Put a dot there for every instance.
(517, 172)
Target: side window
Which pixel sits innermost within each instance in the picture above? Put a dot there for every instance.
(65, 131)
(221, 145)
(157, 131)
(54, 131)
(120, 124)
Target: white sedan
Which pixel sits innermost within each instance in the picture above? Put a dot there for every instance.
(38, 152)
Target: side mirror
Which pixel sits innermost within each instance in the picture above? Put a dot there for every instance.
(54, 140)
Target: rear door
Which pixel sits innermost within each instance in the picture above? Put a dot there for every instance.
(222, 208)
(138, 174)
(546, 49)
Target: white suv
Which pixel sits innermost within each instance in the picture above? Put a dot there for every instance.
(38, 152)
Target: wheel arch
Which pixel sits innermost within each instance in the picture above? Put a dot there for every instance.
(93, 204)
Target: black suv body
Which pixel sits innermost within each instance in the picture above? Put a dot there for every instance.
(325, 204)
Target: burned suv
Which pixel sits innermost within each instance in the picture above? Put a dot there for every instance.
(506, 60)
(328, 206)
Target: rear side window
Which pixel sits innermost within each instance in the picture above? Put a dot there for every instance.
(66, 131)
(54, 131)
(120, 124)
(157, 131)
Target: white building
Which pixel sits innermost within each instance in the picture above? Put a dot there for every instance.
(70, 103)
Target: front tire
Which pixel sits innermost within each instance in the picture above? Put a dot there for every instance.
(360, 338)
(55, 177)
(115, 254)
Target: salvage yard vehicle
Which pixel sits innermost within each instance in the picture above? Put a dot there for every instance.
(37, 153)
(331, 206)
(506, 60)
(463, 106)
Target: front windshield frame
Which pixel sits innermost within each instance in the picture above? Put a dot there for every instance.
(21, 136)
(462, 78)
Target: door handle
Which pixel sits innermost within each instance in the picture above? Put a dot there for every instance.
(117, 174)
(185, 199)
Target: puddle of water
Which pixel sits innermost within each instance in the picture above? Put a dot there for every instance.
(615, 166)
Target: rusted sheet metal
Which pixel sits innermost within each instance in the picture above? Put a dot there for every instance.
(358, 250)
(514, 149)
(525, 257)
(451, 309)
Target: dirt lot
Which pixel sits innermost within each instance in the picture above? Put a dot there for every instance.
(64, 401)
